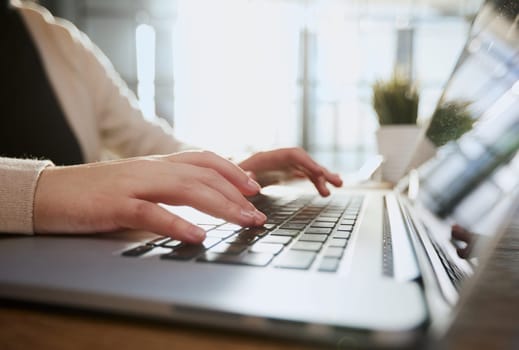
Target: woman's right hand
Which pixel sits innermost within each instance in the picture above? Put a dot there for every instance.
(124, 194)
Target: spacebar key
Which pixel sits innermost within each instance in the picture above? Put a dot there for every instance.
(293, 259)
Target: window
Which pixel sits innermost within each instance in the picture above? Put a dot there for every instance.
(241, 75)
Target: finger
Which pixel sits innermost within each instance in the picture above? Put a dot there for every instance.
(300, 159)
(463, 253)
(180, 182)
(213, 202)
(202, 188)
(298, 174)
(332, 178)
(271, 177)
(460, 233)
(220, 184)
(143, 215)
(251, 175)
(318, 181)
(316, 170)
(327, 176)
(227, 169)
(320, 184)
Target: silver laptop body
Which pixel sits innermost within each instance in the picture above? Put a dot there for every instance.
(391, 281)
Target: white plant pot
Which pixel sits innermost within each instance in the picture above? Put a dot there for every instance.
(397, 144)
(425, 150)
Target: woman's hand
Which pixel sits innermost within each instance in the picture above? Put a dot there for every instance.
(292, 162)
(110, 196)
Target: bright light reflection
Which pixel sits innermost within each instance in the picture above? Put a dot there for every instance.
(145, 41)
(235, 77)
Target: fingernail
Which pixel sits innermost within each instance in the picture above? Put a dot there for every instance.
(249, 214)
(197, 233)
(253, 185)
(260, 217)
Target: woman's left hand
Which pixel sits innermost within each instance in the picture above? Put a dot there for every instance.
(292, 163)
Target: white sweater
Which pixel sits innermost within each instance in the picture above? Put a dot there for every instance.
(102, 112)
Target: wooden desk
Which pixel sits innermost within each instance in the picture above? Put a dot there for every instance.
(40, 328)
(489, 314)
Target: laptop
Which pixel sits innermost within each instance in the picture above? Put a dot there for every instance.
(363, 267)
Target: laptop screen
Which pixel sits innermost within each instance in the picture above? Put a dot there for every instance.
(486, 69)
(473, 177)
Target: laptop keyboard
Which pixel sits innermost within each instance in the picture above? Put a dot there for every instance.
(304, 233)
(456, 274)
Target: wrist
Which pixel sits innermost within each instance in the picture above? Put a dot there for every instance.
(42, 197)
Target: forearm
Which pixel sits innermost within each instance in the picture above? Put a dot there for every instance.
(18, 179)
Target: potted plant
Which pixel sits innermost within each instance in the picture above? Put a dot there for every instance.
(396, 103)
(449, 122)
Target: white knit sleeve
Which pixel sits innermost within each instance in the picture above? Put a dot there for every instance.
(109, 117)
(18, 180)
(121, 123)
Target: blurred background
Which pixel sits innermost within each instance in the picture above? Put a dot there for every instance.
(236, 76)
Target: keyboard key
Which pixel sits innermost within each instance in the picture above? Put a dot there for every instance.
(313, 238)
(271, 248)
(217, 258)
(159, 241)
(309, 246)
(319, 224)
(334, 252)
(329, 264)
(345, 228)
(250, 259)
(228, 248)
(208, 242)
(245, 239)
(330, 216)
(254, 231)
(279, 218)
(310, 210)
(189, 251)
(300, 221)
(347, 222)
(248, 236)
(286, 212)
(276, 239)
(332, 213)
(304, 217)
(283, 232)
(256, 259)
(341, 234)
(138, 251)
(219, 234)
(171, 243)
(269, 226)
(229, 227)
(318, 231)
(294, 259)
(184, 252)
(291, 226)
(325, 219)
(350, 216)
(338, 242)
